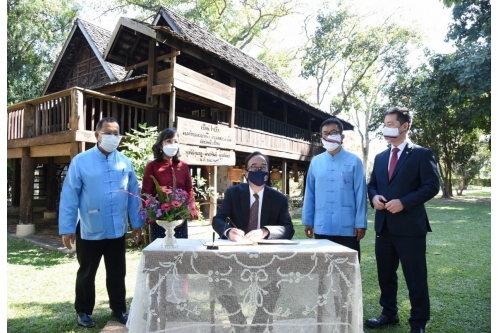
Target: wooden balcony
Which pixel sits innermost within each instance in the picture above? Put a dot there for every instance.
(56, 124)
(50, 125)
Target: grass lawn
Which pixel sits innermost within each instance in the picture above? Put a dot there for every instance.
(40, 283)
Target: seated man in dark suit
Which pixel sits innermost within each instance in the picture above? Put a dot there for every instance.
(256, 211)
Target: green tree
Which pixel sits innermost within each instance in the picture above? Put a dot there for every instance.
(469, 161)
(357, 61)
(138, 146)
(328, 47)
(36, 31)
(471, 33)
(451, 95)
(237, 21)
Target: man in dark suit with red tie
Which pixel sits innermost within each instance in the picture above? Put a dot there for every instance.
(253, 210)
(404, 177)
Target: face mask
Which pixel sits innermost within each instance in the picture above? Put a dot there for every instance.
(109, 142)
(171, 149)
(258, 178)
(332, 142)
(390, 132)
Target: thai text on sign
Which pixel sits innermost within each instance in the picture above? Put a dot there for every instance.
(207, 156)
(203, 134)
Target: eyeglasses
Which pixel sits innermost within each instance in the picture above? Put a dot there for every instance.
(255, 168)
(334, 132)
(110, 133)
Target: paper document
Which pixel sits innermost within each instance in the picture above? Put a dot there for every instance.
(226, 242)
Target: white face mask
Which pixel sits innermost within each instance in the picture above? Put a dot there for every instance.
(390, 133)
(170, 149)
(332, 142)
(109, 142)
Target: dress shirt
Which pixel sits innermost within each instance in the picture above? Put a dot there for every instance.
(401, 148)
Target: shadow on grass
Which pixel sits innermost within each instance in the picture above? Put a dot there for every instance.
(35, 317)
(21, 252)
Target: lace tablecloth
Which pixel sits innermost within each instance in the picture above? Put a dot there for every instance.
(180, 290)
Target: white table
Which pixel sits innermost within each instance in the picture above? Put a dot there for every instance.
(177, 289)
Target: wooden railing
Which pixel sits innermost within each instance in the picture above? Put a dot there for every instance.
(275, 145)
(73, 109)
(80, 109)
(248, 119)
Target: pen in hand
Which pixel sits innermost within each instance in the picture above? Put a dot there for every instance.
(231, 223)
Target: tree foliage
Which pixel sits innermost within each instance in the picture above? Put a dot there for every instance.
(344, 51)
(451, 97)
(36, 31)
(236, 21)
(471, 33)
(469, 161)
(357, 61)
(138, 147)
(328, 46)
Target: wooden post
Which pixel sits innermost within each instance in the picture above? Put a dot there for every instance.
(151, 71)
(152, 114)
(29, 121)
(212, 182)
(76, 121)
(16, 182)
(284, 178)
(51, 186)
(27, 179)
(27, 170)
(173, 96)
(233, 107)
(76, 148)
(171, 110)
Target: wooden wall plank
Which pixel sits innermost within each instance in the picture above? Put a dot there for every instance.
(206, 93)
(15, 153)
(62, 149)
(179, 69)
(159, 89)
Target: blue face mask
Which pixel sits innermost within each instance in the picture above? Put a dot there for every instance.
(258, 178)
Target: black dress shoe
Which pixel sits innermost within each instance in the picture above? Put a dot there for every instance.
(121, 316)
(417, 330)
(85, 320)
(382, 321)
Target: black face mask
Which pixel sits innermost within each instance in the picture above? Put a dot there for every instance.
(258, 178)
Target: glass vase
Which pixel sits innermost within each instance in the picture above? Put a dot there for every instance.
(169, 240)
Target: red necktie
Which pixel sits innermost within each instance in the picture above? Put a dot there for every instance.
(254, 214)
(394, 161)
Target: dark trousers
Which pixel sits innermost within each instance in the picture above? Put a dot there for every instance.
(410, 251)
(89, 254)
(347, 241)
(261, 316)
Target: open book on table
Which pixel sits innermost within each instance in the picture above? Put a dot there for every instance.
(227, 242)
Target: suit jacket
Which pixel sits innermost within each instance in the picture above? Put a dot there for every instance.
(414, 181)
(274, 212)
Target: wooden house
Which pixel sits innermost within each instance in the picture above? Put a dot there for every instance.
(168, 73)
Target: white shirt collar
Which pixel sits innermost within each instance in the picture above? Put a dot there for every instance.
(401, 147)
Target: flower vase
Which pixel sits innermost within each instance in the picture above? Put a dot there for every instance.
(169, 240)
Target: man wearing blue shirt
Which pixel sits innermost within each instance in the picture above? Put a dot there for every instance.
(94, 209)
(335, 195)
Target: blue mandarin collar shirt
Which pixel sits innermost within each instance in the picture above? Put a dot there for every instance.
(335, 194)
(102, 192)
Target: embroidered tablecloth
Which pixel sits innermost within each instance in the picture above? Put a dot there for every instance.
(179, 290)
